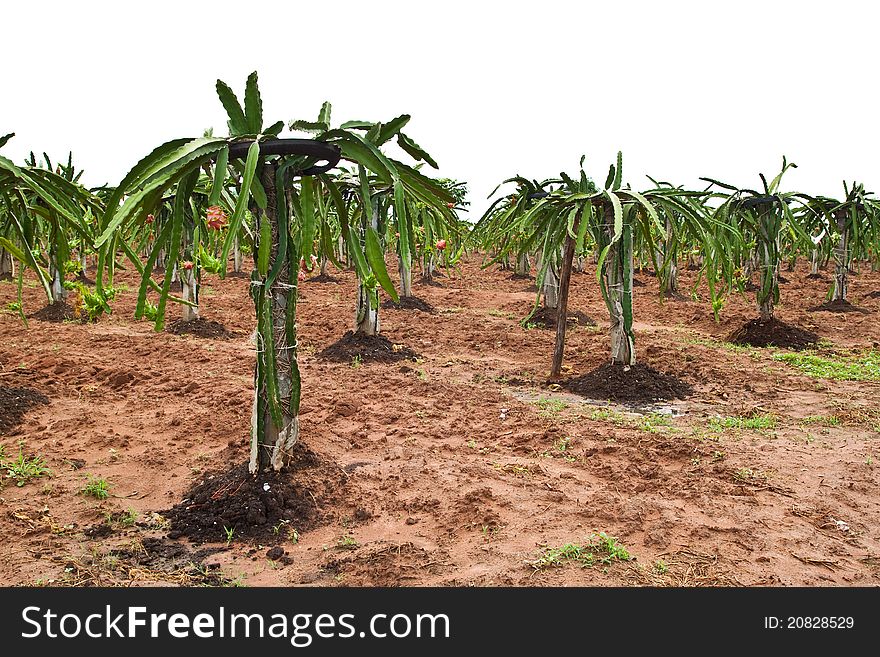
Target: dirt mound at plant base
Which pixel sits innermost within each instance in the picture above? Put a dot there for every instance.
(367, 348)
(322, 278)
(409, 303)
(234, 505)
(202, 328)
(838, 306)
(546, 318)
(55, 312)
(638, 383)
(14, 403)
(773, 332)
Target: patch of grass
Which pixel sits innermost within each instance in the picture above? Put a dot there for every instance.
(655, 422)
(129, 518)
(600, 549)
(863, 367)
(606, 415)
(500, 313)
(230, 534)
(550, 407)
(561, 449)
(761, 422)
(822, 420)
(749, 476)
(562, 445)
(96, 487)
(21, 468)
(356, 361)
(347, 542)
(652, 423)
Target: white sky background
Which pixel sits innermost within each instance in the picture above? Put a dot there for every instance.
(684, 89)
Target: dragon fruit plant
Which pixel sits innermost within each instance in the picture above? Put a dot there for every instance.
(281, 184)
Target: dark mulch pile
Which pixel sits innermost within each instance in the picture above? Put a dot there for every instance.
(6, 276)
(366, 348)
(638, 283)
(637, 384)
(773, 332)
(782, 279)
(14, 403)
(55, 312)
(323, 278)
(190, 568)
(675, 296)
(546, 318)
(873, 295)
(201, 328)
(429, 281)
(750, 287)
(238, 274)
(409, 303)
(519, 277)
(251, 506)
(839, 306)
(815, 276)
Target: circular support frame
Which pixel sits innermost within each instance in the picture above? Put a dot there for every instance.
(319, 150)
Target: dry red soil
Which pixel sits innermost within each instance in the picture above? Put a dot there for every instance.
(458, 468)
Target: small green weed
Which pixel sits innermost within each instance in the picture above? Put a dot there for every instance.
(347, 542)
(822, 420)
(97, 487)
(600, 549)
(21, 468)
(550, 407)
